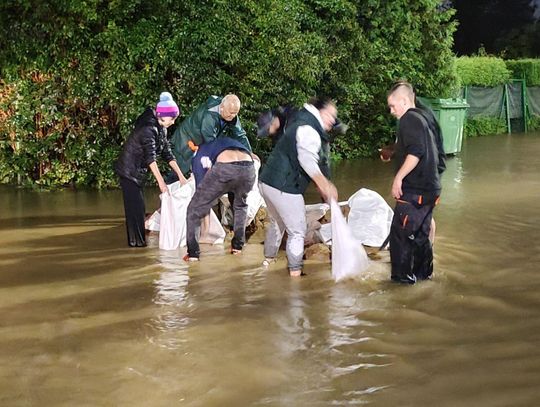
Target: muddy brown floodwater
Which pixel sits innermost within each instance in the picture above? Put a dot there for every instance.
(87, 321)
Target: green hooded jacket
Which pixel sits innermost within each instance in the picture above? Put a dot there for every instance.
(202, 126)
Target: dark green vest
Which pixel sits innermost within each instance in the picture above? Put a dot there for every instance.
(282, 170)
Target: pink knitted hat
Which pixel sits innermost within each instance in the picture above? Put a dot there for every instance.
(166, 106)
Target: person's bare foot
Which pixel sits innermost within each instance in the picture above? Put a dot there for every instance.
(295, 272)
(268, 260)
(188, 259)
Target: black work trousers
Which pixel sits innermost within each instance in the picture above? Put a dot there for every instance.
(134, 210)
(411, 251)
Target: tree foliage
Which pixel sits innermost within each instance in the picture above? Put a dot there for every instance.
(521, 42)
(484, 23)
(76, 74)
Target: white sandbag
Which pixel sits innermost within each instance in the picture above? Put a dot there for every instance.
(325, 232)
(369, 217)
(316, 211)
(152, 223)
(226, 211)
(172, 220)
(172, 228)
(215, 234)
(349, 258)
(254, 201)
(254, 198)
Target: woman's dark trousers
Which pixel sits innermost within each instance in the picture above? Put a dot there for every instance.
(134, 210)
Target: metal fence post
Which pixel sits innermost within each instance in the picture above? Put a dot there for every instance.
(506, 106)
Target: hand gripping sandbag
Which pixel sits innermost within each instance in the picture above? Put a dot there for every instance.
(172, 227)
(349, 258)
(254, 198)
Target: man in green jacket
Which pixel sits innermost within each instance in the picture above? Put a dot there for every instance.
(217, 117)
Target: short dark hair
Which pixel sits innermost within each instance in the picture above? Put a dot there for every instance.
(320, 102)
(399, 85)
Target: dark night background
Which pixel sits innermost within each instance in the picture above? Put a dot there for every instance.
(508, 28)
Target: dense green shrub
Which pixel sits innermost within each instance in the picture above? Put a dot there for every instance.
(533, 123)
(528, 69)
(76, 74)
(482, 71)
(483, 126)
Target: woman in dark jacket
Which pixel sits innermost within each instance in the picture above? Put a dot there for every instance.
(147, 141)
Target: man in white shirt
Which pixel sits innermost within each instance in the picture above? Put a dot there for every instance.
(301, 155)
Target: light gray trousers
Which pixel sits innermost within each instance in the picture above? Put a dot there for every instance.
(287, 213)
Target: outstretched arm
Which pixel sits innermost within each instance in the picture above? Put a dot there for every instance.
(308, 144)
(155, 170)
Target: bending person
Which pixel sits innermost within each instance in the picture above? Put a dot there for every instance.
(213, 119)
(300, 155)
(146, 142)
(229, 169)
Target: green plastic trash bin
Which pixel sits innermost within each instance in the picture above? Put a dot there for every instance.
(451, 116)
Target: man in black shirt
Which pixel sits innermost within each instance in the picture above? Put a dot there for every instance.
(416, 186)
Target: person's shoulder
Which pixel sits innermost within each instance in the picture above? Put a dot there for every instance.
(147, 117)
(213, 101)
(147, 123)
(205, 148)
(412, 113)
(413, 117)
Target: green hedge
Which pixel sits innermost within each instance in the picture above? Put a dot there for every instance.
(491, 71)
(76, 74)
(533, 123)
(528, 69)
(484, 126)
(482, 71)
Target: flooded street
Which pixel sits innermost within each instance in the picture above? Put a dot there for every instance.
(87, 321)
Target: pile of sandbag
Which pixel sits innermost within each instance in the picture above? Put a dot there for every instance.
(367, 223)
(369, 217)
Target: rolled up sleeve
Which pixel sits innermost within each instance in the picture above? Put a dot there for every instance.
(308, 145)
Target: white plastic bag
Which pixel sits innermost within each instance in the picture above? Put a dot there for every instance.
(370, 217)
(349, 258)
(316, 211)
(172, 225)
(172, 220)
(325, 232)
(254, 198)
(216, 233)
(152, 223)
